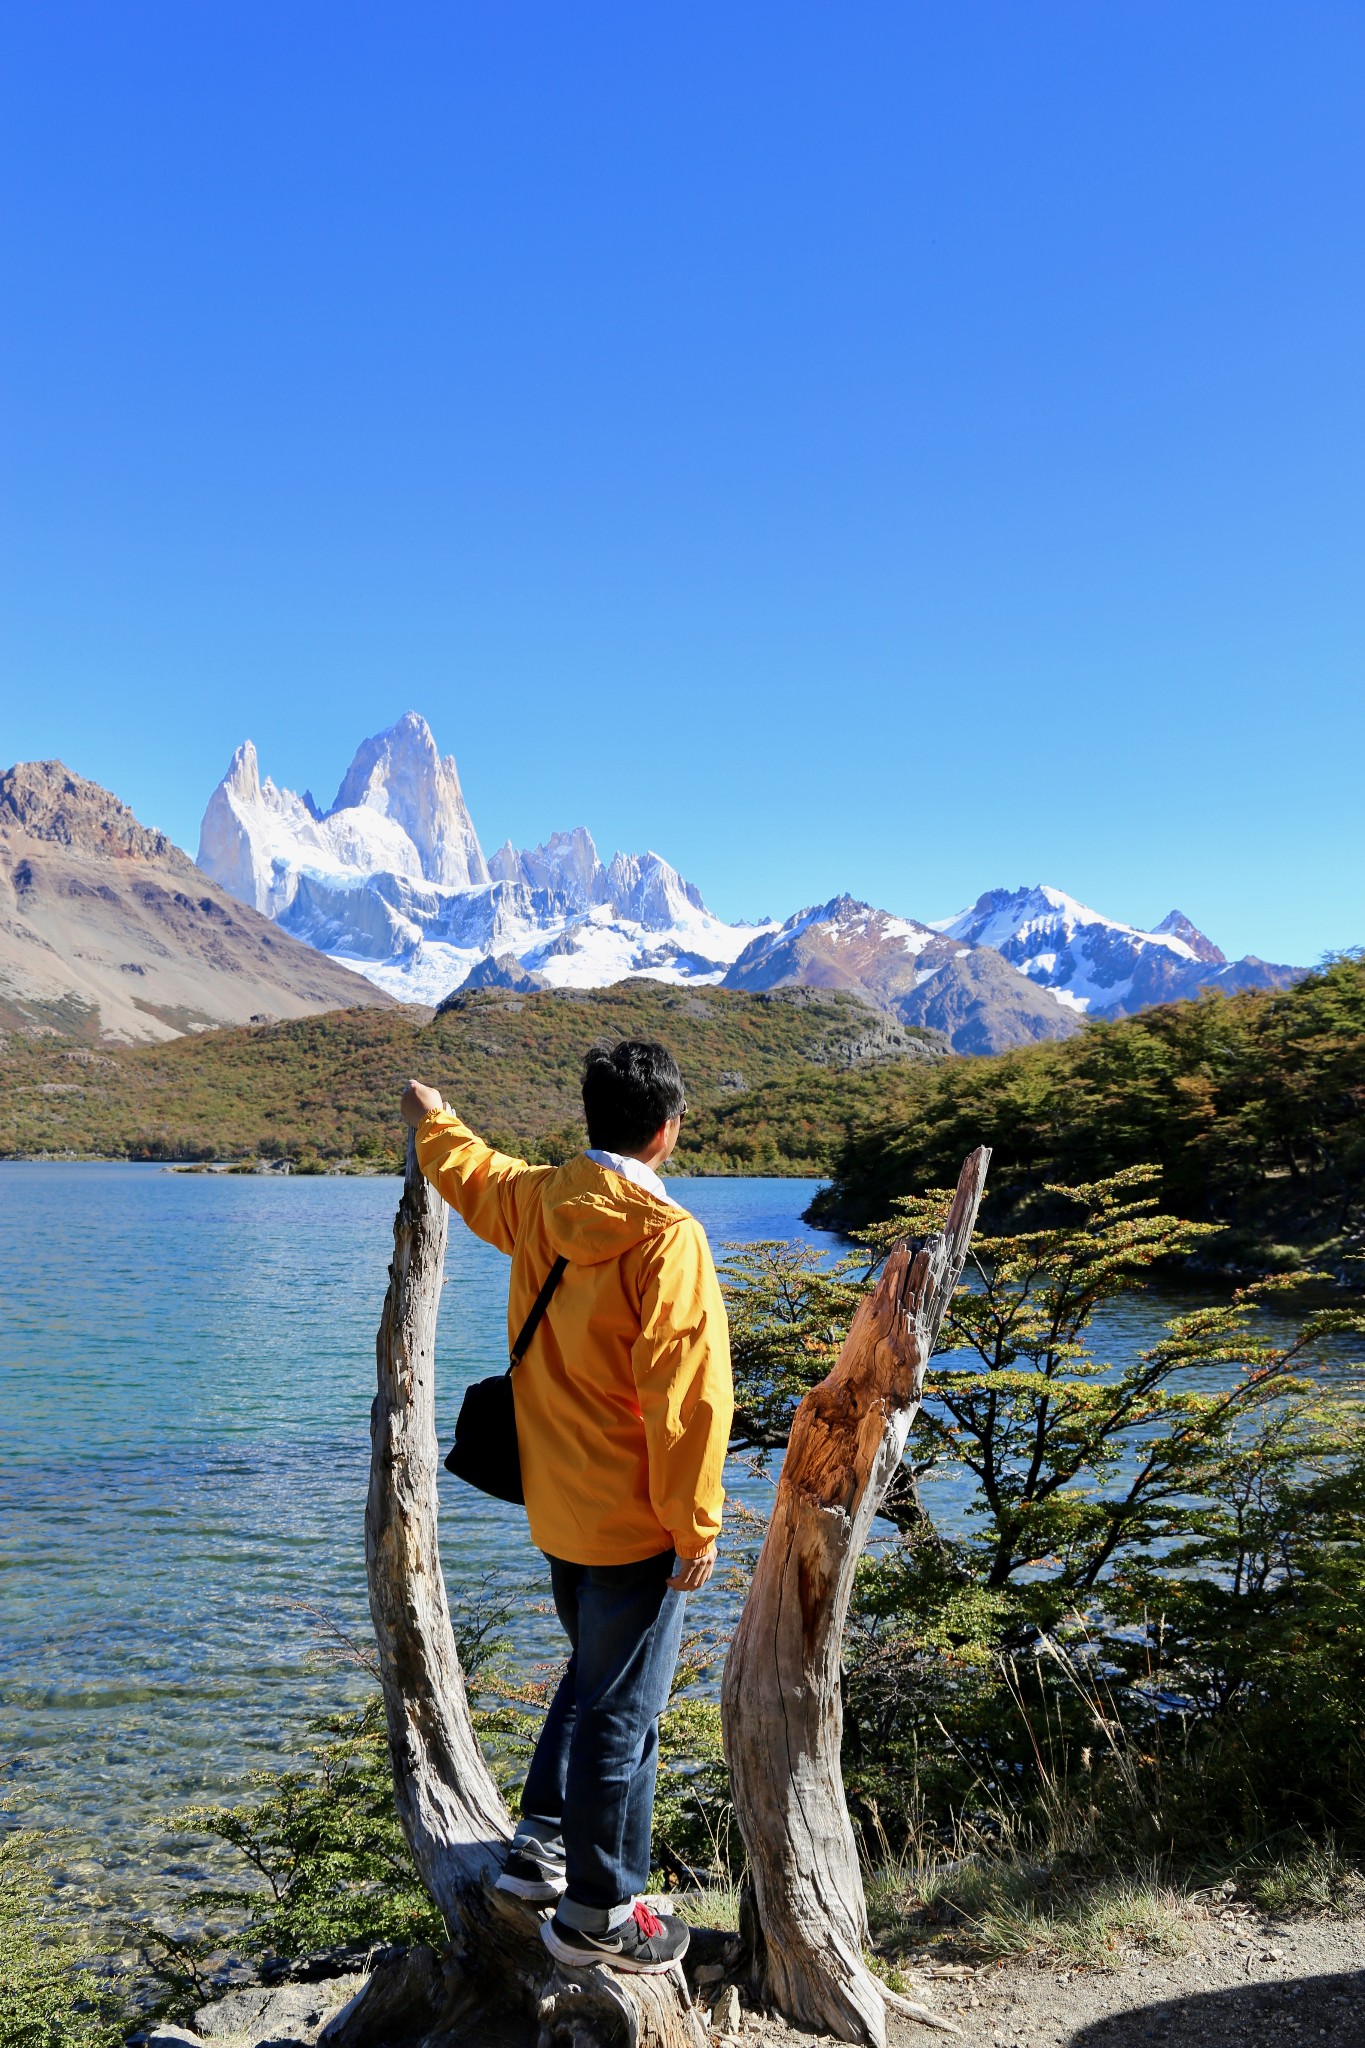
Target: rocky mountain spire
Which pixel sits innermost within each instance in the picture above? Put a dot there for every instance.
(246, 824)
(400, 774)
(392, 879)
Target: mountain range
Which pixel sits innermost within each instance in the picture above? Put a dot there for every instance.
(108, 931)
(391, 881)
(1100, 968)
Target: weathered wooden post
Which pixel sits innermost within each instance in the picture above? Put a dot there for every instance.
(805, 1919)
(451, 1810)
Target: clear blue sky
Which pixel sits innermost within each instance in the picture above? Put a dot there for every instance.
(895, 447)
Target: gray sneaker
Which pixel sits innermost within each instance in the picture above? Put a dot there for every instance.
(537, 1879)
(648, 1943)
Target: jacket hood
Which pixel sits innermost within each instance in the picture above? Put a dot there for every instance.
(593, 1214)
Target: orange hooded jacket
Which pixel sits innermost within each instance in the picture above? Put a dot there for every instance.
(624, 1399)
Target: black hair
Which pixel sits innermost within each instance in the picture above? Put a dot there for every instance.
(629, 1090)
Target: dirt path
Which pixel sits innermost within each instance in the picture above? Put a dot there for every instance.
(1243, 1982)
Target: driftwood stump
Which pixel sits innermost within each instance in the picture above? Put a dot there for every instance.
(451, 1810)
(804, 1915)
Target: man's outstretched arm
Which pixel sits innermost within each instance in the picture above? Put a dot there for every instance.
(481, 1183)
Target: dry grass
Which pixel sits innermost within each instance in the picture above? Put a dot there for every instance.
(1313, 1877)
(990, 1907)
(985, 1908)
(716, 1906)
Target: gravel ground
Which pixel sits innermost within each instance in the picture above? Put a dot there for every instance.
(1243, 1982)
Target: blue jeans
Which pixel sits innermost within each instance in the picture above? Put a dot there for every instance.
(594, 1765)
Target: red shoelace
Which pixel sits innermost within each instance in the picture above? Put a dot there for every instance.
(648, 1923)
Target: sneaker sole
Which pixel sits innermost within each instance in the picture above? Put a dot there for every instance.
(527, 1888)
(580, 1959)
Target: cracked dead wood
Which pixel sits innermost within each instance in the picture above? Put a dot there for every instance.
(451, 1810)
(803, 1913)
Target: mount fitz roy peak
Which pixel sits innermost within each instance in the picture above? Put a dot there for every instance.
(400, 808)
(392, 881)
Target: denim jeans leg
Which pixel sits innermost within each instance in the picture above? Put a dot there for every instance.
(629, 1630)
(543, 1792)
(640, 1800)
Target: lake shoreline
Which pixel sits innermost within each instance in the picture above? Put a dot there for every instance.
(1198, 1270)
(359, 1169)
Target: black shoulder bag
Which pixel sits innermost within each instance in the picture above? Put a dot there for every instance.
(485, 1452)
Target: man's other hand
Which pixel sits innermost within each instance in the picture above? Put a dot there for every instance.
(418, 1101)
(689, 1573)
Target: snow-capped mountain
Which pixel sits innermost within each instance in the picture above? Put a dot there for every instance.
(1096, 966)
(400, 775)
(399, 812)
(392, 881)
(638, 886)
(964, 990)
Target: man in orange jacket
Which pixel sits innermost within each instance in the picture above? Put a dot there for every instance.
(623, 1406)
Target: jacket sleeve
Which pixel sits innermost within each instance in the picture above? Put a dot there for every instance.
(681, 1362)
(485, 1186)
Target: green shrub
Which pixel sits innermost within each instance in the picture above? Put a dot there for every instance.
(329, 1863)
(1151, 1636)
(49, 1997)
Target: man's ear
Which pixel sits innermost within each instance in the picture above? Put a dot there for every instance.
(658, 1145)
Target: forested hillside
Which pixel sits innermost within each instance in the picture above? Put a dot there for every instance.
(1253, 1105)
(323, 1089)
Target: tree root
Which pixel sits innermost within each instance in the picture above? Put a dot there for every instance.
(417, 1999)
(912, 2009)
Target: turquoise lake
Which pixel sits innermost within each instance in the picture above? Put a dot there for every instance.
(186, 1369)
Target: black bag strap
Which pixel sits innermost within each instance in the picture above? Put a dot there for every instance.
(542, 1302)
